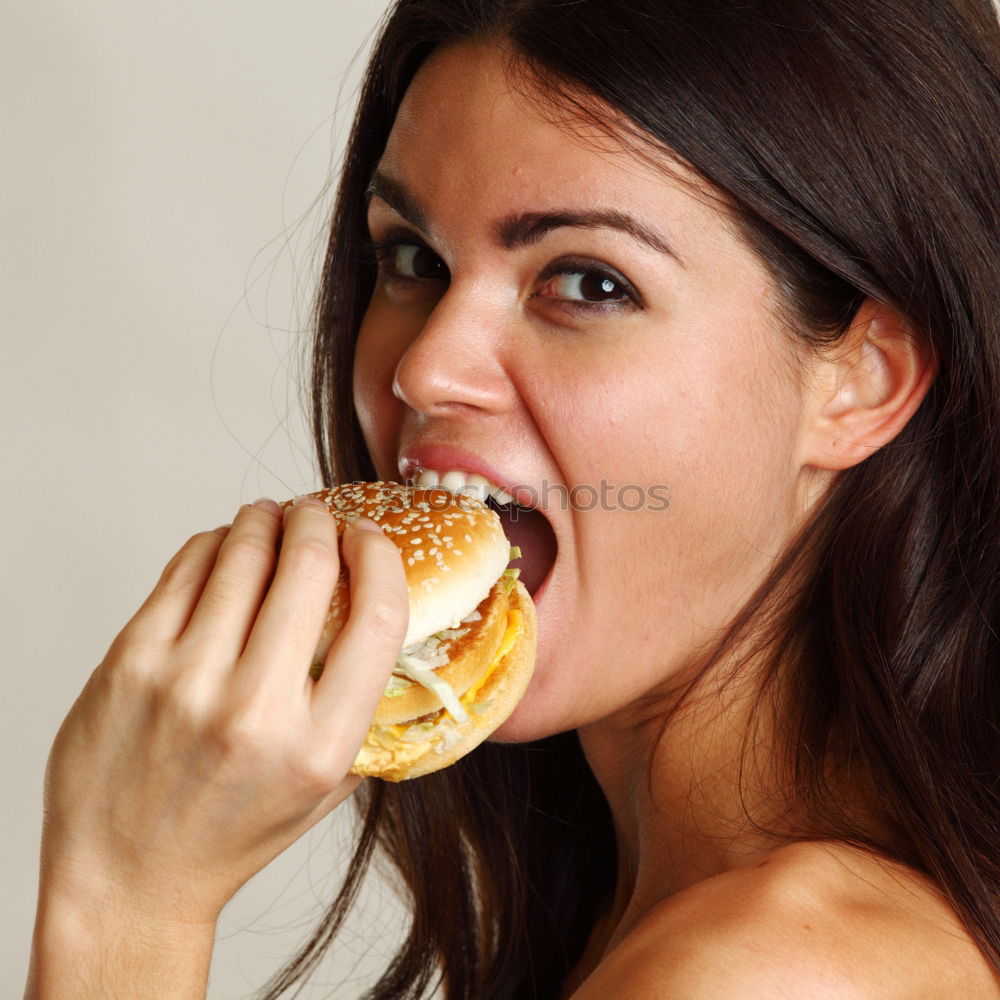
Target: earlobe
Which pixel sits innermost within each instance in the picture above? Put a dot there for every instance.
(866, 388)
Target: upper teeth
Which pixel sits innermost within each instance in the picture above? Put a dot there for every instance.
(467, 483)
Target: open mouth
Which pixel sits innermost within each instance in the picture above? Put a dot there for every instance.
(526, 527)
(529, 530)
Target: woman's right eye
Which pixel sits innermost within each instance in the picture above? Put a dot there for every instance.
(411, 261)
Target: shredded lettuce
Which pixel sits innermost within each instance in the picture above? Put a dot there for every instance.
(418, 672)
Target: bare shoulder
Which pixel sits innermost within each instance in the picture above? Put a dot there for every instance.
(811, 921)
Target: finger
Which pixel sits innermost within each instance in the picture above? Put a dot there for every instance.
(221, 622)
(365, 651)
(284, 637)
(168, 609)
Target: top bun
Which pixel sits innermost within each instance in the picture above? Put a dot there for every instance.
(453, 548)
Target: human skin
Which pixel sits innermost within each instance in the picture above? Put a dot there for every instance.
(511, 359)
(201, 748)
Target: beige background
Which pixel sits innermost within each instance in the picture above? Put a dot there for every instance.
(161, 163)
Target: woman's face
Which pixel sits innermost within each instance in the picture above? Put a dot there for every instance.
(585, 331)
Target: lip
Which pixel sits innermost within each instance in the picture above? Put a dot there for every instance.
(539, 594)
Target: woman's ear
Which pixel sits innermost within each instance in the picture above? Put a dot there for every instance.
(865, 388)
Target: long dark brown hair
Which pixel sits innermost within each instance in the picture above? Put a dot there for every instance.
(858, 143)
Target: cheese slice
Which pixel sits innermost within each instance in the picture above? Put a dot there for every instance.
(510, 636)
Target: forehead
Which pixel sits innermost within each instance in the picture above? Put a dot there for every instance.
(469, 128)
(466, 93)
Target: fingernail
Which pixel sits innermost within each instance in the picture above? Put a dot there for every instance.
(362, 524)
(308, 501)
(264, 503)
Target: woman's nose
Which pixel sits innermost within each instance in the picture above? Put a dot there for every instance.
(455, 363)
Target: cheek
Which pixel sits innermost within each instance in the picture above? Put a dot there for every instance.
(710, 431)
(708, 404)
(375, 361)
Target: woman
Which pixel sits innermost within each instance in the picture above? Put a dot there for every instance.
(742, 256)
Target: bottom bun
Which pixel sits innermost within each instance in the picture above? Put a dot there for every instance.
(399, 752)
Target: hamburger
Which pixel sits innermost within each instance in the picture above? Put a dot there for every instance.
(469, 649)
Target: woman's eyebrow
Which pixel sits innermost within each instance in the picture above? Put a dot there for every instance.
(398, 199)
(524, 228)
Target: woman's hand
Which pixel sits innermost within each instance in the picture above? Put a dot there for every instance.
(201, 748)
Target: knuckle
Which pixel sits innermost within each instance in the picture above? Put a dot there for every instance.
(253, 729)
(177, 578)
(131, 661)
(249, 739)
(169, 676)
(315, 772)
(203, 545)
(250, 553)
(313, 559)
(386, 612)
(184, 706)
(143, 684)
(188, 567)
(123, 675)
(250, 724)
(237, 734)
(132, 639)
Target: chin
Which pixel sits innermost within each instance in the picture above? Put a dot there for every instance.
(539, 713)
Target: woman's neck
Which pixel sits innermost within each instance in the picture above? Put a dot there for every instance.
(690, 799)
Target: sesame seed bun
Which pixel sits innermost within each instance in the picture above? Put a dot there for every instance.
(454, 554)
(453, 550)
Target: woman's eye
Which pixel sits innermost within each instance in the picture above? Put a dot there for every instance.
(586, 286)
(413, 261)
